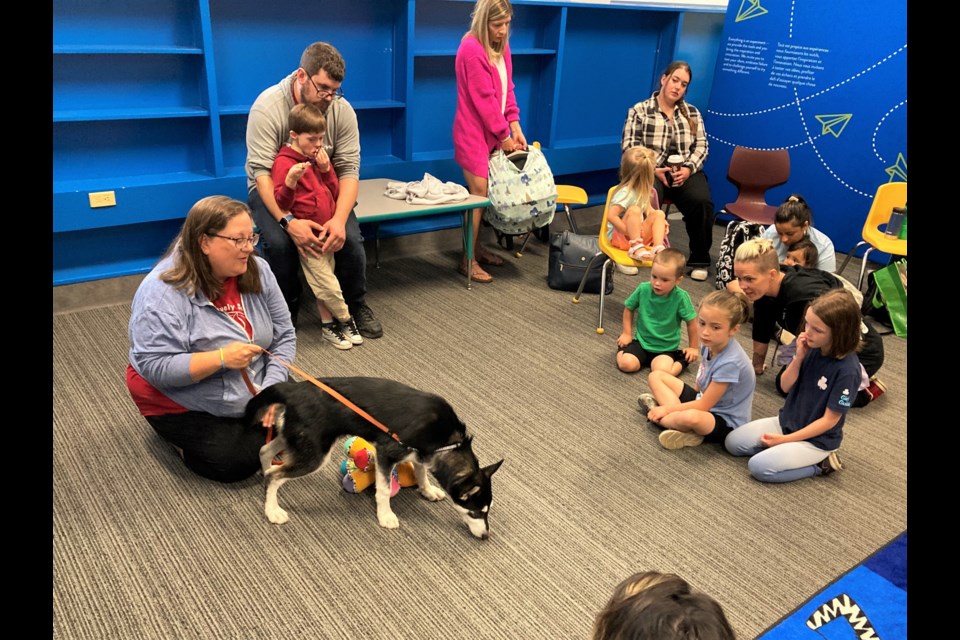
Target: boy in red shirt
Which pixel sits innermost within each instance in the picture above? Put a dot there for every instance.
(307, 187)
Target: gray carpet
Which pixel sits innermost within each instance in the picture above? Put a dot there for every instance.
(586, 496)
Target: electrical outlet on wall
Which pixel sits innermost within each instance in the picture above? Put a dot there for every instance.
(102, 199)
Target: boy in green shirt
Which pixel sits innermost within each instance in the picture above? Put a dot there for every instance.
(653, 337)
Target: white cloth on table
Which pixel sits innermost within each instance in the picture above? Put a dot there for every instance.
(430, 190)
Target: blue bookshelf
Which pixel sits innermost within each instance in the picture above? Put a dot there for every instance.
(150, 99)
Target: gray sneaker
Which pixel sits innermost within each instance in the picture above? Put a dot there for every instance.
(332, 333)
(671, 439)
(349, 328)
(647, 402)
(830, 464)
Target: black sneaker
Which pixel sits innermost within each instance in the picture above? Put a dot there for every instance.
(830, 464)
(368, 324)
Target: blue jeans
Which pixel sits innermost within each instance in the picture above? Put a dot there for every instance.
(278, 250)
(782, 463)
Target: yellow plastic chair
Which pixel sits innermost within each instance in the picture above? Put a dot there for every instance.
(566, 196)
(611, 254)
(888, 196)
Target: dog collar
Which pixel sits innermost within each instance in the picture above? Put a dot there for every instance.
(449, 447)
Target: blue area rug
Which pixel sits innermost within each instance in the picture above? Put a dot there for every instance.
(869, 602)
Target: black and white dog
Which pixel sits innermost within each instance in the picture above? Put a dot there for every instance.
(308, 421)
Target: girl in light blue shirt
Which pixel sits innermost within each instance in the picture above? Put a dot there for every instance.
(722, 399)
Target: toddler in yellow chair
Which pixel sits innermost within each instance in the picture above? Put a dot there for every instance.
(638, 227)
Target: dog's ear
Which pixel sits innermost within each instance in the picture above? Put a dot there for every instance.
(490, 470)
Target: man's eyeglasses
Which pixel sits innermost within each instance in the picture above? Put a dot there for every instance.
(240, 242)
(336, 94)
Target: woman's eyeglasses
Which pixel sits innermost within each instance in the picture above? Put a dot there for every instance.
(240, 242)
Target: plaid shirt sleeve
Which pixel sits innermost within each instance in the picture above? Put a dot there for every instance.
(693, 147)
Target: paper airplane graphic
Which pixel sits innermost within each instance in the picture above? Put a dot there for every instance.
(898, 170)
(834, 123)
(749, 9)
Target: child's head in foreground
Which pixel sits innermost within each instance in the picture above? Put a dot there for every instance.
(660, 606)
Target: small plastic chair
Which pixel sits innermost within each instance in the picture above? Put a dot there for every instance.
(888, 196)
(754, 172)
(611, 255)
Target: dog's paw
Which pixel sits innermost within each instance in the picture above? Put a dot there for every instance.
(277, 515)
(433, 493)
(389, 520)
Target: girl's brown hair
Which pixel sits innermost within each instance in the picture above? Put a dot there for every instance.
(838, 309)
(735, 305)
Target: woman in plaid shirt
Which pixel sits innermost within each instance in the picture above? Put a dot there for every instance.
(669, 125)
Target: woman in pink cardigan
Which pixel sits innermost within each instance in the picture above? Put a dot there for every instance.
(487, 115)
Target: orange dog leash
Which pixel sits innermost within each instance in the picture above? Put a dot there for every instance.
(333, 392)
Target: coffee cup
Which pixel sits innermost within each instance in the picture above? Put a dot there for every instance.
(675, 161)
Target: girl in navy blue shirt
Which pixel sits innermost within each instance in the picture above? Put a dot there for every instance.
(821, 382)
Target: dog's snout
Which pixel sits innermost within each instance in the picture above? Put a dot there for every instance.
(478, 527)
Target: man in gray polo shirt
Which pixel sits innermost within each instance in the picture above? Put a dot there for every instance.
(282, 236)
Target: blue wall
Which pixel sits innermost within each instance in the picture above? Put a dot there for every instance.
(825, 80)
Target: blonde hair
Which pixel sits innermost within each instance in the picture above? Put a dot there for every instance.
(485, 12)
(735, 305)
(636, 174)
(759, 251)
